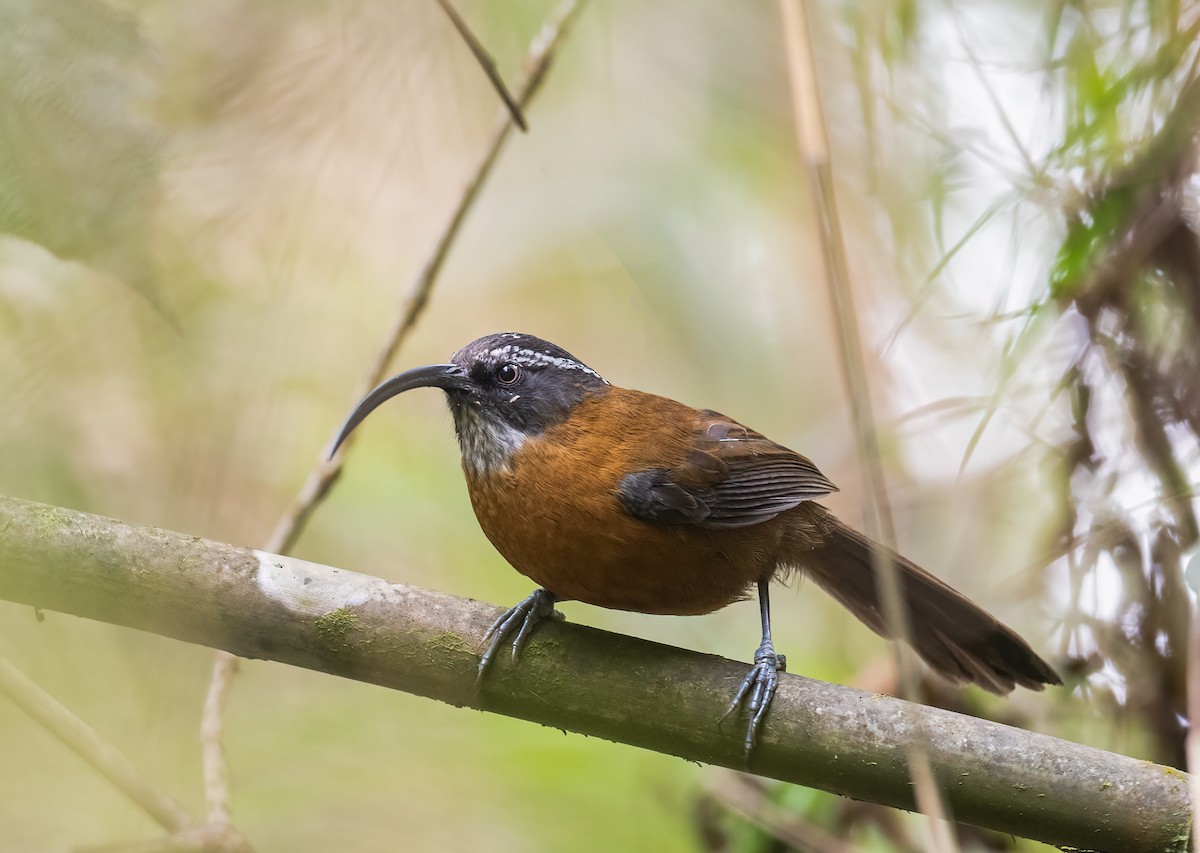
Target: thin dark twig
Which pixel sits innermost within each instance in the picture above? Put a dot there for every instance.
(325, 471)
(486, 63)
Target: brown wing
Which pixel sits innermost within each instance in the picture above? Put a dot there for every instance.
(732, 477)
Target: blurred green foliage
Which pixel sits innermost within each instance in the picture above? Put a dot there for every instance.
(1088, 241)
(79, 157)
(270, 175)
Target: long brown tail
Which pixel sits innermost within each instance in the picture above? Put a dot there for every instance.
(954, 635)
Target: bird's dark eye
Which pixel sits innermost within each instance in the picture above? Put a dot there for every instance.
(508, 373)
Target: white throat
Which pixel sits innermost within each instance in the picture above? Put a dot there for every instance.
(486, 444)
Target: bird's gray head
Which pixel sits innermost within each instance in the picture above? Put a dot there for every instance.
(502, 389)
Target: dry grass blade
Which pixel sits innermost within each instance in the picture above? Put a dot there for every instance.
(928, 285)
(977, 67)
(83, 740)
(485, 62)
(216, 786)
(814, 143)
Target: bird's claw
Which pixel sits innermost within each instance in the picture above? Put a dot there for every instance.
(756, 691)
(521, 617)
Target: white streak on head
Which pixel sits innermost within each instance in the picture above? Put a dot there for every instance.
(533, 358)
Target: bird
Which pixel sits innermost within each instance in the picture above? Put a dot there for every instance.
(632, 501)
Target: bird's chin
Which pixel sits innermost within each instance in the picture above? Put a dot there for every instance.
(487, 443)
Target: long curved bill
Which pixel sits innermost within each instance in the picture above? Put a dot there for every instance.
(448, 377)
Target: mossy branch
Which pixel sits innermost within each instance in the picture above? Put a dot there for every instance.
(851, 742)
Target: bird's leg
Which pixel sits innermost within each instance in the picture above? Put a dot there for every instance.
(758, 687)
(520, 618)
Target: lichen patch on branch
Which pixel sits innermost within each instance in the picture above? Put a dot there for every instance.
(315, 590)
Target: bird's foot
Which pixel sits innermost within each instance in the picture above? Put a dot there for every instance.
(520, 618)
(757, 690)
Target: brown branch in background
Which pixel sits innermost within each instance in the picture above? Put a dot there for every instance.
(84, 742)
(814, 145)
(486, 63)
(216, 784)
(325, 471)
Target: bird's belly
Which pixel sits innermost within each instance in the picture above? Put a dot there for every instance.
(670, 575)
(611, 560)
(667, 577)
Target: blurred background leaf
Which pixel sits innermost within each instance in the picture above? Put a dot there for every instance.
(79, 151)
